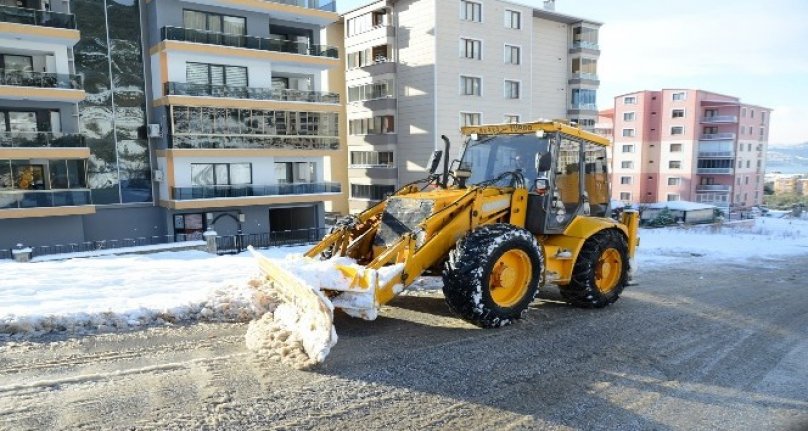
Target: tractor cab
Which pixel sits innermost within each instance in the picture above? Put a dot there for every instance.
(563, 168)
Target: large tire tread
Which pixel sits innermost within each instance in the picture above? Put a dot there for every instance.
(581, 291)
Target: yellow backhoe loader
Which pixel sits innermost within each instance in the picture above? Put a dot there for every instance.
(526, 204)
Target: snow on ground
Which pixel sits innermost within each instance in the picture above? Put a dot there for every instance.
(110, 293)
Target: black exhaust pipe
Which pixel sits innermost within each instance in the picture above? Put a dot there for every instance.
(446, 161)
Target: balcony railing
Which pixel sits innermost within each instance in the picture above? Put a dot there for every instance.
(720, 119)
(584, 106)
(584, 75)
(716, 154)
(10, 199)
(41, 79)
(713, 188)
(585, 45)
(715, 136)
(208, 141)
(183, 89)
(713, 170)
(249, 42)
(44, 18)
(41, 139)
(250, 190)
(310, 4)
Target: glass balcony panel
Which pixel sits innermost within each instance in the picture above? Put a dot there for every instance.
(250, 42)
(43, 18)
(205, 90)
(250, 190)
(40, 79)
(41, 140)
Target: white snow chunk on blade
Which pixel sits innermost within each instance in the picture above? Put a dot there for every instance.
(307, 313)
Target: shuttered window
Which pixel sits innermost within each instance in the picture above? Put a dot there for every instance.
(216, 74)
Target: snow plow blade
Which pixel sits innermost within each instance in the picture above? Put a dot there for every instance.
(314, 320)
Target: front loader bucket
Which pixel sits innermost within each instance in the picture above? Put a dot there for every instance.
(314, 319)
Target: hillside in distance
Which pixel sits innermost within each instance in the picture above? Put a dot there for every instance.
(792, 159)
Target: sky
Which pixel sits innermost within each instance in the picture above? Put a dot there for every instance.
(734, 47)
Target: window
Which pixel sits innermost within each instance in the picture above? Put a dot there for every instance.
(628, 148)
(748, 147)
(748, 164)
(471, 11)
(584, 123)
(214, 22)
(471, 48)
(630, 100)
(679, 95)
(221, 174)
(376, 90)
(371, 192)
(673, 197)
(513, 19)
(586, 68)
(509, 118)
(674, 164)
(625, 180)
(584, 37)
(746, 180)
(677, 130)
(470, 118)
(372, 158)
(763, 117)
(751, 113)
(762, 132)
(513, 54)
(369, 56)
(676, 148)
(628, 116)
(471, 86)
(215, 74)
(366, 22)
(511, 89)
(629, 133)
(627, 164)
(743, 112)
(584, 99)
(377, 125)
(295, 172)
(625, 196)
(678, 113)
(674, 181)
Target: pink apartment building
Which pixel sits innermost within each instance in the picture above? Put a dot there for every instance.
(692, 145)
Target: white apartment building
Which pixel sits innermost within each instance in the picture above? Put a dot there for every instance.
(419, 69)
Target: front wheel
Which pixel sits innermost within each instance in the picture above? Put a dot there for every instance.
(493, 274)
(601, 271)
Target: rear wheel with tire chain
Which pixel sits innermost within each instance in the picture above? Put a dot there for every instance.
(601, 271)
(493, 274)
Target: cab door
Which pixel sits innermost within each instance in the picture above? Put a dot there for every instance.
(565, 195)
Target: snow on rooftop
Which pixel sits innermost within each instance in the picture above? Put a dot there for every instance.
(110, 293)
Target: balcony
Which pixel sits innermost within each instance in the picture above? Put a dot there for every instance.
(41, 79)
(719, 171)
(203, 90)
(720, 119)
(716, 154)
(249, 190)
(249, 42)
(44, 198)
(309, 4)
(715, 188)
(41, 140)
(263, 142)
(717, 136)
(42, 18)
(581, 44)
(584, 78)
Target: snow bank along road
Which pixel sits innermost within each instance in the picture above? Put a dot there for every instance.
(695, 346)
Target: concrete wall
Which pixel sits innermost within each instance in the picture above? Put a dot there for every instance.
(41, 231)
(549, 51)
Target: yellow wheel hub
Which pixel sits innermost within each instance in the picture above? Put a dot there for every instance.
(608, 270)
(510, 277)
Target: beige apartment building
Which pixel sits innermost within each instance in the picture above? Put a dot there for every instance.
(693, 145)
(419, 69)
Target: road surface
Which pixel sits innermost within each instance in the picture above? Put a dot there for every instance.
(693, 346)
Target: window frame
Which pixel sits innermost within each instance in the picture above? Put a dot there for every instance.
(505, 87)
(479, 80)
(508, 19)
(508, 51)
(633, 116)
(464, 43)
(464, 4)
(464, 113)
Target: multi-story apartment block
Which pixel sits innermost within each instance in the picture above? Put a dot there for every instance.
(791, 185)
(692, 145)
(419, 69)
(247, 94)
(165, 118)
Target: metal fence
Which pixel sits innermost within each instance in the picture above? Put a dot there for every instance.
(231, 244)
(87, 246)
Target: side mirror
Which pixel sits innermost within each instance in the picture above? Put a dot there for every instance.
(545, 162)
(434, 161)
(542, 185)
(461, 174)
